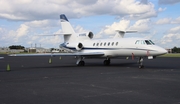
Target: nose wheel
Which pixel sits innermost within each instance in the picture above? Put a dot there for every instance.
(140, 61)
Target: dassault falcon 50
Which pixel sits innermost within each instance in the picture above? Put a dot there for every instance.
(83, 46)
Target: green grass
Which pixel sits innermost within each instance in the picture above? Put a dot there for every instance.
(3, 53)
(171, 55)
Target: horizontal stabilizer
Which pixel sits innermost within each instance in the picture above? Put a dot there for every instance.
(120, 34)
(56, 34)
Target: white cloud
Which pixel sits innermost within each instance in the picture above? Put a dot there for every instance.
(166, 2)
(171, 38)
(121, 25)
(39, 23)
(42, 17)
(168, 21)
(111, 29)
(175, 30)
(164, 21)
(161, 9)
(11, 36)
(22, 31)
(143, 25)
(176, 21)
(8, 37)
(79, 29)
(27, 34)
(2, 30)
(49, 9)
(86, 2)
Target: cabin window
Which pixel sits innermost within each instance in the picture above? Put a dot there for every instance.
(94, 44)
(112, 43)
(105, 44)
(97, 44)
(116, 43)
(108, 43)
(101, 44)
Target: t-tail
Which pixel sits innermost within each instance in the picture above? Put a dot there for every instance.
(71, 38)
(67, 29)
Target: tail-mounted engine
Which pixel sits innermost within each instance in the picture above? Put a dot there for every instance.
(79, 46)
(87, 35)
(90, 35)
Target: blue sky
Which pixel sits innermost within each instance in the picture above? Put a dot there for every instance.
(22, 20)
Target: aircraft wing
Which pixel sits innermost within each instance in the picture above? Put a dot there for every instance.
(55, 34)
(62, 54)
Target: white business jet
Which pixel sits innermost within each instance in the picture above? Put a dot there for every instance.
(83, 46)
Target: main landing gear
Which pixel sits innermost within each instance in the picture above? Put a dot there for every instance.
(80, 61)
(140, 62)
(107, 61)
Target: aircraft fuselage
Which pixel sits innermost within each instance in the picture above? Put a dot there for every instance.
(118, 47)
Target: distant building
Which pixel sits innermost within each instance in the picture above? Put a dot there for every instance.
(29, 50)
(169, 50)
(37, 50)
(8, 50)
(4, 49)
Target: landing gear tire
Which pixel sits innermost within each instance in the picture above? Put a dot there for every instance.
(81, 63)
(141, 63)
(141, 66)
(106, 62)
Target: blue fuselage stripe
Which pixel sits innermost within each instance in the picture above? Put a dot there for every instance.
(72, 48)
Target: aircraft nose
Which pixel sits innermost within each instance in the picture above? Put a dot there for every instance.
(162, 51)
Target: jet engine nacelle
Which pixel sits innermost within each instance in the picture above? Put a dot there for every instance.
(90, 35)
(87, 35)
(79, 46)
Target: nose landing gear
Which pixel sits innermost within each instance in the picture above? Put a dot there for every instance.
(140, 62)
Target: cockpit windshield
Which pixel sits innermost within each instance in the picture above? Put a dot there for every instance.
(152, 42)
(144, 42)
(148, 42)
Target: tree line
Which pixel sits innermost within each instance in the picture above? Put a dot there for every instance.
(16, 47)
(175, 50)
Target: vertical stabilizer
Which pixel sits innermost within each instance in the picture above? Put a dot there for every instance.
(69, 33)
